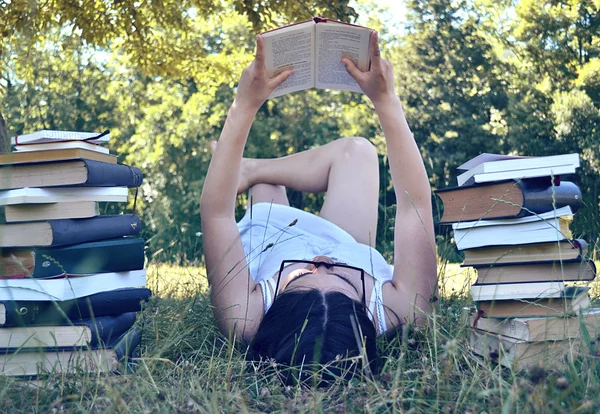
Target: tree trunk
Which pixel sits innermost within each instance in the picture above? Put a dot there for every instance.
(4, 140)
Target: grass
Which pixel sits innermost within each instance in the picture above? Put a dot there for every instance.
(187, 366)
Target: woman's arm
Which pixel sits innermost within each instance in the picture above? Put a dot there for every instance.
(415, 276)
(237, 301)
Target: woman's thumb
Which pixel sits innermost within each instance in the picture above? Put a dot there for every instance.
(351, 68)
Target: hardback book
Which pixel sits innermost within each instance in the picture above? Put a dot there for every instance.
(538, 328)
(112, 302)
(84, 333)
(510, 291)
(51, 211)
(62, 145)
(28, 157)
(87, 173)
(63, 195)
(517, 354)
(47, 135)
(68, 231)
(507, 199)
(546, 227)
(74, 361)
(314, 49)
(537, 272)
(105, 256)
(573, 300)
(520, 168)
(562, 251)
(67, 288)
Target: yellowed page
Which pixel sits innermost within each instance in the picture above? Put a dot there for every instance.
(334, 41)
(291, 46)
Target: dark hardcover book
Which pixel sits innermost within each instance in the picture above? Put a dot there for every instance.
(106, 256)
(507, 199)
(115, 302)
(69, 231)
(127, 345)
(88, 173)
(105, 329)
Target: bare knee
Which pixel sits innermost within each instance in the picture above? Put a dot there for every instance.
(361, 148)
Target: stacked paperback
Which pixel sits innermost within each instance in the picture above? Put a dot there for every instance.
(71, 279)
(511, 217)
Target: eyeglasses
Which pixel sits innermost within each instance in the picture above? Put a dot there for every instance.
(328, 266)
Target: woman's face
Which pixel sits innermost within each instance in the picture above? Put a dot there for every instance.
(338, 279)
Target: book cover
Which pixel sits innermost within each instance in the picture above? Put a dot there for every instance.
(49, 135)
(507, 199)
(68, 287)
(112, 302)
(41, 157)
(69, 231)
(91, 332)
(63, 195)
(87, 173)
(106, 256)
(104, 360)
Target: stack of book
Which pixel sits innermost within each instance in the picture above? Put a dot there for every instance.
(511, 218)
(71, 280)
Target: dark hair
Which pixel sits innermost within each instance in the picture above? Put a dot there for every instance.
(310, 328)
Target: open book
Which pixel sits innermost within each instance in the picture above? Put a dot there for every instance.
(314, 49)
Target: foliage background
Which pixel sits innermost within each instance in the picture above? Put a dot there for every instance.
(518, 77)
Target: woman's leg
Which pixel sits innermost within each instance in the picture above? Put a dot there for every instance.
(347, 169)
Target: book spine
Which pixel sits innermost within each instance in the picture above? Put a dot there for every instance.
(25, 313)
(106, 329)
(104, 174)
(119, 255)
(541, 200)
(73, 231)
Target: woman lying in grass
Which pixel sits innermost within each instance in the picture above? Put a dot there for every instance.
(306, 289)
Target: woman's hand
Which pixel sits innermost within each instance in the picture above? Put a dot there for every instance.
(378, 82)
(255, 86)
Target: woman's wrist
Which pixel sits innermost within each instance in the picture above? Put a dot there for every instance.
(386, 103)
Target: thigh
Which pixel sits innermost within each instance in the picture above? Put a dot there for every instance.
(352, 198)
(268, 193)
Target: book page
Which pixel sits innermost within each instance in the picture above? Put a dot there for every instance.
(335, 41)
(291, 47)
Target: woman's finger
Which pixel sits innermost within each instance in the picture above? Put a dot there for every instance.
(375, 51)
(259, 59)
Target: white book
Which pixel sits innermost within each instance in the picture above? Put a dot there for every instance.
(519, 174)
(69, 288)
(512, 291)
(47, 135)
(559, 212)
(62, 145)
(547, 227)
(314, 49)
(510, 166)
(30, 195)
